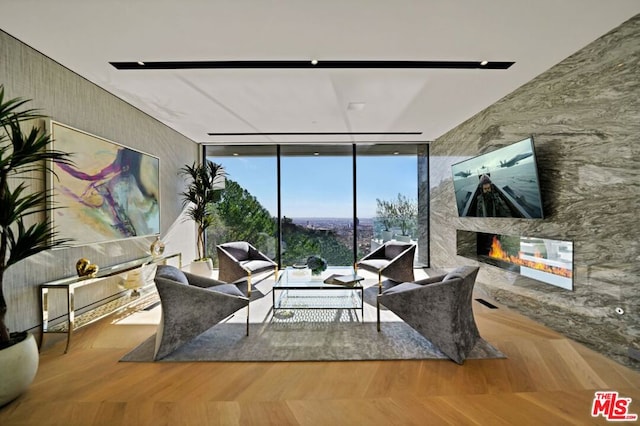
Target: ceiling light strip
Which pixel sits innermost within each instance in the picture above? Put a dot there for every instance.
(311, 133)
(174, 65)
(318, 143)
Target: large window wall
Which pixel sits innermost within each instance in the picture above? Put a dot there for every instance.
(249, 206)
(292, 201)
(317, 203)
(387, 194)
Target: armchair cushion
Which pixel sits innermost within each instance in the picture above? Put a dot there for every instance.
(172, 273)
(229, 289)
(256, 265)
(376, 264)
(456, 273)
(238, 249)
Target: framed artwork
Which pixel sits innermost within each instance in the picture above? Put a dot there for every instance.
(111, 192)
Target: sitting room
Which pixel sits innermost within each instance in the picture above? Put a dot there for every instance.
(314, 213)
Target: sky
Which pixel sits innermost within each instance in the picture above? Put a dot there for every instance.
(322, 186)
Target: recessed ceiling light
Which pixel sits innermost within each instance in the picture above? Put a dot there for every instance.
(140, 63)
(314, 62)
(483, 63)
(356, 106)
(395, 153)
(235, 154)
(316, 153)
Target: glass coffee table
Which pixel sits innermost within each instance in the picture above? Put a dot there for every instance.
(335, 288)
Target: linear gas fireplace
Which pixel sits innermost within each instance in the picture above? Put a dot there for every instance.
(542, 259)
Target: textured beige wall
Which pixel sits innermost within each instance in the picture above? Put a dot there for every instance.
(584, 115)
(72, 100)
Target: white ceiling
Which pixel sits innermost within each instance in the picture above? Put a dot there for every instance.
(85, 35)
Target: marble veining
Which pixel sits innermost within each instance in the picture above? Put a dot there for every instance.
(584, 115)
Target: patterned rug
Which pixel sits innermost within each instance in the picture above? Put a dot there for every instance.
(306, 335)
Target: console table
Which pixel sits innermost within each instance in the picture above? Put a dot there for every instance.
(70, 284)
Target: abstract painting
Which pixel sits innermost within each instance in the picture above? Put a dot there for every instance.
(110, 192)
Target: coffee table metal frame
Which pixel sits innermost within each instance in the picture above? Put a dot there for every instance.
(297, 289)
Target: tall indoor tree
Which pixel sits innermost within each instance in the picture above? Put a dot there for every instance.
(24, 155)
(206, 182)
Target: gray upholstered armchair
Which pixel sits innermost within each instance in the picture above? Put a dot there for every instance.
(191, 304)
(394, 260)
(439, 308)
(239, 260)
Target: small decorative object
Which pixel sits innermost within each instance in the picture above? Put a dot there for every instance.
(157, 247)
(85, 268)
(345, 280)
(316, 264)
(134, 281)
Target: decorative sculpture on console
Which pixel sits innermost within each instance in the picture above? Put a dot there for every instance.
(85, 268)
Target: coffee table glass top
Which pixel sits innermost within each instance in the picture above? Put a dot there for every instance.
(298, 289)
(293, 278)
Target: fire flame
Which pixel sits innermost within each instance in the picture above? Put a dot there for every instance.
(497, 252)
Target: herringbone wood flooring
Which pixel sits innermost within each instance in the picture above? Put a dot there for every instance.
(546, 380)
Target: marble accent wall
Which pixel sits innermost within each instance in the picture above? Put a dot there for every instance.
(67, 98)
(584, 115)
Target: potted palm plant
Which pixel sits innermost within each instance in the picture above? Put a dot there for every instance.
(204, 189)
(22, 155)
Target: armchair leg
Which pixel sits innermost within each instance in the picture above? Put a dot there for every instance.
(249, 296)
(378, 299)
(248, 304)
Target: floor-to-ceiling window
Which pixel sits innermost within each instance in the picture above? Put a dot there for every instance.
(387, 195)
(336, 201)
(249, 207)
(317, 203)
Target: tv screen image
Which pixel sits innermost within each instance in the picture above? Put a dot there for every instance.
(501, 183)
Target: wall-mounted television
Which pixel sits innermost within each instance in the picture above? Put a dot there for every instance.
(500, 183)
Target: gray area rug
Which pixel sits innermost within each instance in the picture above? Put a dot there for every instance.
(307, 336)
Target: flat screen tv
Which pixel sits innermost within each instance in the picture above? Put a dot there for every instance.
(500, 183)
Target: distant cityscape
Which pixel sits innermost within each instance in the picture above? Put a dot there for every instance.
(342, 229)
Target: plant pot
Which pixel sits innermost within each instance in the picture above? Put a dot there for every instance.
(403, 238)
(19, 365)
(201, 267)
(386, 236)
(315, 276)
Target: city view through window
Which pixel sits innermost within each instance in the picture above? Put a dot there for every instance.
(316, 201)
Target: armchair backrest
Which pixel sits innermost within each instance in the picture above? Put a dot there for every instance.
(240, 250)
(393, 249)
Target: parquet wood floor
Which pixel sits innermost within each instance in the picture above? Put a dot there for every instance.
(546, 380)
